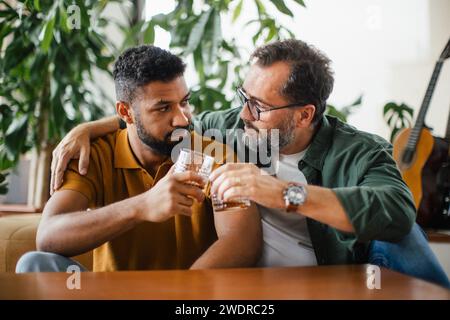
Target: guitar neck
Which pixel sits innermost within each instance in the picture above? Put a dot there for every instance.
(447, 132)
(447, 138)
(420, 122)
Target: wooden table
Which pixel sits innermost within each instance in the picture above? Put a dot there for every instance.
(438, 236)
(325, 282)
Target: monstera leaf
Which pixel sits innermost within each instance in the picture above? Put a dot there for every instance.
(397, 116)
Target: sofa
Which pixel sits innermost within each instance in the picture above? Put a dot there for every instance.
(18, 236)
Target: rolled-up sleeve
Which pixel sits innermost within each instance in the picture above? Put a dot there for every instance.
(89, 185)
(380, 206)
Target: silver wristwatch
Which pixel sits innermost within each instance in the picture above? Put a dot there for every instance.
(294, 196)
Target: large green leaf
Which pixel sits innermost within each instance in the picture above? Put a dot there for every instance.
(63, 18)
(162, 21)
(16, 53)
(260, 7)
(216, 34)
(237, 11)
(149, 32)
(46, 35)
(5, 161)
(17, 125)
(197, 31)
(272, 32)
(37, 5)
(333, 111)
(301, 2)
(281, 6)
(199, 66)
(5, 30)
(211, 41)
(223, 73)
(15, 136)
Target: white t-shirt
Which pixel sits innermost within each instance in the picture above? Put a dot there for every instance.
(285, 234)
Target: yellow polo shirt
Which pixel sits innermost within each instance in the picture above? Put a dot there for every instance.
(114, 174)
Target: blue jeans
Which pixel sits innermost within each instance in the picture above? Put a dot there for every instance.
(411, 256)
(36, 261)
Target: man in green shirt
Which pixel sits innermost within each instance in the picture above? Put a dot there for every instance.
(336, 196)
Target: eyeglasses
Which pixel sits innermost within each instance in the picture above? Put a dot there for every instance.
(255, 107)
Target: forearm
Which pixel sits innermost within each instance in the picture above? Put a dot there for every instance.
(239, 241)
(229, 252)
(101, 127)
(322, 205)
(74, 233)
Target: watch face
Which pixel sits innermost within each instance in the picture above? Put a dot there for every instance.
(295, 195)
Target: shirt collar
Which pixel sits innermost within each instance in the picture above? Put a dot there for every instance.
(123, 155)
(321, 142)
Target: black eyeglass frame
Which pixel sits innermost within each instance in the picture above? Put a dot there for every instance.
(245, 101)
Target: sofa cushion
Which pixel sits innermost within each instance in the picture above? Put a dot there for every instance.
(18, 236)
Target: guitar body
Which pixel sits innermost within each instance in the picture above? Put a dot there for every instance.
(423, 176)
(412, 173)
(434, 185)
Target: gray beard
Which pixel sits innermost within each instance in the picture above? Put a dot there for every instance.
(270, 139)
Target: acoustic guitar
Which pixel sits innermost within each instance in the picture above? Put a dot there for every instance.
(441, 216)
(420, 156)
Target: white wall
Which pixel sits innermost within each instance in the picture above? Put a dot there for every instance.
(441, 250)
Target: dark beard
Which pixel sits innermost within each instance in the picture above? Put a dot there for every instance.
(163, 147)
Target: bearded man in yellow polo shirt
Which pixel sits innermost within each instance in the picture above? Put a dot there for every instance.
(130, 207)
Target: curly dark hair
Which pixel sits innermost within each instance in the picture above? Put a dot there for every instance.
(311, 78)
(141, 65)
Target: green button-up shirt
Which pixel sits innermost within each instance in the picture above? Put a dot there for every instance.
(359, 168)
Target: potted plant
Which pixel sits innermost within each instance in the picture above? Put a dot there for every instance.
(49, 53)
